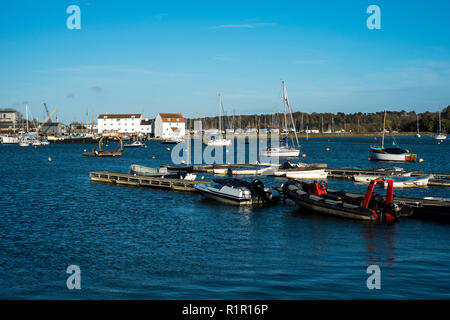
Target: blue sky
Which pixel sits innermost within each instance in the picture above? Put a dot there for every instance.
(176, 56)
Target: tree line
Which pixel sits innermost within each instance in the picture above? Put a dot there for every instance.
(401, 121)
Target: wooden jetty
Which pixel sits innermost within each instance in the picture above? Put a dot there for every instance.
(439, 180)
(145, 181)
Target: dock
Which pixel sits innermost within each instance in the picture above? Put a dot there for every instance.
(145, 181)
(439, 180)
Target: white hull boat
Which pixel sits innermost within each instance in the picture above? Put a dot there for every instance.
(440, 136)
(252, 170)
(411, 182)
(9, 140)
(391, 154)
(307, 174)
(280, 152)
(219, 143)
(366, 178)
(237, 192)
(135, 144)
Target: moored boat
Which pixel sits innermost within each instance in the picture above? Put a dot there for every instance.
(9, 140)
(237, 192)
(172, 141)
(306, 174)
(161, 172)
(135, 144)
(440, 135)
(394, 153)
(410, 182)
(371, 207)
(285, 150)
(252, 170)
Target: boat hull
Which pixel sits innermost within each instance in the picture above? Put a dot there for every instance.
(378, 154)
(307, 174)
(223, 198)
(280, 153)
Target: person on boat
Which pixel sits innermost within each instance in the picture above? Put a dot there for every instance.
(287, 165)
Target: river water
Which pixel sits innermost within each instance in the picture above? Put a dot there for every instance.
(138, 243)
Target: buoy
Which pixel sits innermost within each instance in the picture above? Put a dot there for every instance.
(303, 155)
(374, 138)
(407, 151)
(49, 158)
(168, 149)
(153, 157)
(328, 149)
(84, 150)
(420, 160)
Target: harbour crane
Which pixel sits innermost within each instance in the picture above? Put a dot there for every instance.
(48, 114)
(46, 120)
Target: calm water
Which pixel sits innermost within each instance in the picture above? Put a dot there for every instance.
(151, 244)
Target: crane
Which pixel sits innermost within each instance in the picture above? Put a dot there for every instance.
(46, 120)
(48, 114)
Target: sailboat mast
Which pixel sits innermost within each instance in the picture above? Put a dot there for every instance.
(290, 112)
(26, 112)
(284, 105)
(220, 118)
(384, 126)
(440, 129)
(417, 123)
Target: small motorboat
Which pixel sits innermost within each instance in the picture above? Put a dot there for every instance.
(220, 142)
(135, 144)
(280, 152)
(172, 141)
(237, 192)
(372, 207)
(24, 143)
(161, 172)
(36, 143)
(252, 170)
(409, 182)
(306, 174)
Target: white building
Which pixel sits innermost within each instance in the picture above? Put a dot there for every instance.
(169, 125)
(146, 127)
(123, 123)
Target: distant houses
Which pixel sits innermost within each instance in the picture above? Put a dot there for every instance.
(169, 125)
(166, 125)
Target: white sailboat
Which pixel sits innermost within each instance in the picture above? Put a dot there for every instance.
(24, 141)
(394, 153)
(219, 141)
(440, 135)
(284, 151)
(418, 134)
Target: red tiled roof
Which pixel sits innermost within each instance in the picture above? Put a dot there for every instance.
(171, 117)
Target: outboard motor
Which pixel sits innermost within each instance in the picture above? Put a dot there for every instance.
(258, 190)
